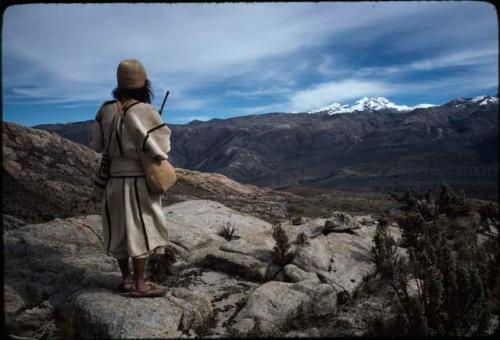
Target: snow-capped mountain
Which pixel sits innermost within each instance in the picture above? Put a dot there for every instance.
(484, 100)
(368, 104)
(461, 102)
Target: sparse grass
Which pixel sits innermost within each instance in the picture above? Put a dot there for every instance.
(322, 202)
(227, 231)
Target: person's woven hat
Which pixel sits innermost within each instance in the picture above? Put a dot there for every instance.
(131, 74)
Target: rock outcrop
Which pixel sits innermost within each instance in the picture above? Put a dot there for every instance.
(272, 306)
(58, 271)
(58, 281)
(45, 175)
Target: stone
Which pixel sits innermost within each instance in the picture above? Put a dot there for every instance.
(190, 237)
(34, 158)
(311, 228)
(344, 327)
(235, 263)
(273, 305)
(211, 216)
(35, 322)
(13, 302)
(295, 274)
(242, 246)
(64, 261)
(102, 314)
(413, 287)
(312, 332)
(313, 255)
(227, 292)
(194, 228)
(243, 327)
(298, 220)
(214, 287)
(12, 222)
(351, 259)
(340, 222)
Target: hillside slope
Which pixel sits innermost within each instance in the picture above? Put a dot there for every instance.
(283, 149)
(47, 176)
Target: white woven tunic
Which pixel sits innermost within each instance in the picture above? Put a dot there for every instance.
(133, 222)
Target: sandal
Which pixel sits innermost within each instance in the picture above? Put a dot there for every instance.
(151, 292)
(125, 286)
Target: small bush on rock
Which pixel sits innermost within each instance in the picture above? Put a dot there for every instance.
(384, 251)
(227, 231)
(301, 239)
(282, 253)
(160, 266)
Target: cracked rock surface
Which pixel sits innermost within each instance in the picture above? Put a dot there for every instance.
(59, 282)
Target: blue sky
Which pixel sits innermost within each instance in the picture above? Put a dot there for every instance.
(222, 60)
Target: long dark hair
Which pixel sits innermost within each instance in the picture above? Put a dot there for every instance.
(145, 94)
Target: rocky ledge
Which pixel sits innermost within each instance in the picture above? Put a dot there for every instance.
(59, 282)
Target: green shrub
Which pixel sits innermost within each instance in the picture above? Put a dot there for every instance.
(160, 265)
(301, 239)
(455, 275)
(282, 254)
(227, 231)
(384, 251)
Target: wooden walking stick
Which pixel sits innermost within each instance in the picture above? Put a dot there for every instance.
(164, 100)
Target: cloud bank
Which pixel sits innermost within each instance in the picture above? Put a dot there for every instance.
(220, 60)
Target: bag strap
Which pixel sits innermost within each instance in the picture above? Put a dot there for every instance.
(105, 152)
(123, 113)
(128, 105)
(113, 126)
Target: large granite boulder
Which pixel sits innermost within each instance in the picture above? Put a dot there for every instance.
(210, 217)
(58, 270)
(341, 257)
(196, 227)
(341, 222)
(272, 306)
(59, 282)
(99, 314)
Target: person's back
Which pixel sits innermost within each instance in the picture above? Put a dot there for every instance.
(139, 123)
(133, 221)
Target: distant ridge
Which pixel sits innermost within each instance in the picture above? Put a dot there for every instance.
(286, 149)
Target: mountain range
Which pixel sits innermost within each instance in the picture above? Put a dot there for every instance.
(366, 104)
(373, 139)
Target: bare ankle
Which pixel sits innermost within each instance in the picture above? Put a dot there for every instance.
(140, 285)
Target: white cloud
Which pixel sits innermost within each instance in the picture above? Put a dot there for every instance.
(460, 58)
(66, 53)
(183, 42)
(187, 44)
(326, 66)
(271, 91)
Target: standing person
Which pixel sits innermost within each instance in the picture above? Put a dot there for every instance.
(134, 225)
